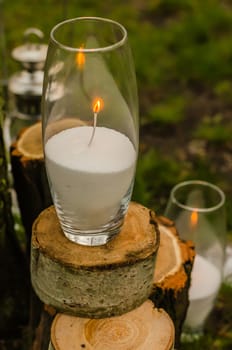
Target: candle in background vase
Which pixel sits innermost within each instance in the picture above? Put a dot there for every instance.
(197, 208)
(205, 283)
(206, 276)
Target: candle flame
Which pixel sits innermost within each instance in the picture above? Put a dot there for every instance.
(194, 218)
(97, 105)
(80, 58)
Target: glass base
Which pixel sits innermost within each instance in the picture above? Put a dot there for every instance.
(90, 238)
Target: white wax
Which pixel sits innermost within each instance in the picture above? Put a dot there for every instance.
(89, 182)
(206, 280)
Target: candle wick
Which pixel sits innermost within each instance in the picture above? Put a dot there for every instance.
(94, 128)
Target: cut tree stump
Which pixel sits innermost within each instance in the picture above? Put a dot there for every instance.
(29, 174)
(144, 328)
(171, 278)
(172, 274)
(95, 282)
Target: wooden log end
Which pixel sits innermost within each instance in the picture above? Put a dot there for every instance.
(94, 282)
(144, 328)
(29, 143)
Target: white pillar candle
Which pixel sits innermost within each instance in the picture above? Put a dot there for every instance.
(89, 182)
(206, 280)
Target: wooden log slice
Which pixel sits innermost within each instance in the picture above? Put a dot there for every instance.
(95, 282)
(172, 275)
(145, 328)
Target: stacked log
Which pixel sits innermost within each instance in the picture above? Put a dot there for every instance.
(95, 282)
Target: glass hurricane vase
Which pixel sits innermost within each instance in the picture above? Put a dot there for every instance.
(90, 126)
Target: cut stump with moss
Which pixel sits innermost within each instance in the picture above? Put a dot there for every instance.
(95, 282)
(28, 170)
(171, 277)
(144, 328)
(172, 274)
(29, 175)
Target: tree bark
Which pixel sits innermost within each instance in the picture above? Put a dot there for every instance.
(144, 328)
(99, 281)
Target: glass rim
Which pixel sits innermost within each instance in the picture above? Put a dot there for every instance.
(203, 184)
(84, 50)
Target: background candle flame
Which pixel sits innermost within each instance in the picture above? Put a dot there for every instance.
(80, 58)
(194, 218)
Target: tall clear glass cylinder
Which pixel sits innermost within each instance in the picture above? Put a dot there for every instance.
(90, 126)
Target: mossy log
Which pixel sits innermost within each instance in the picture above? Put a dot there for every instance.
(95, 282)
(144, 328)
(171, 277)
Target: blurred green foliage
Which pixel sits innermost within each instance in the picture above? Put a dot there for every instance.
(214, 130)
(170, 111)
(183, 58)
